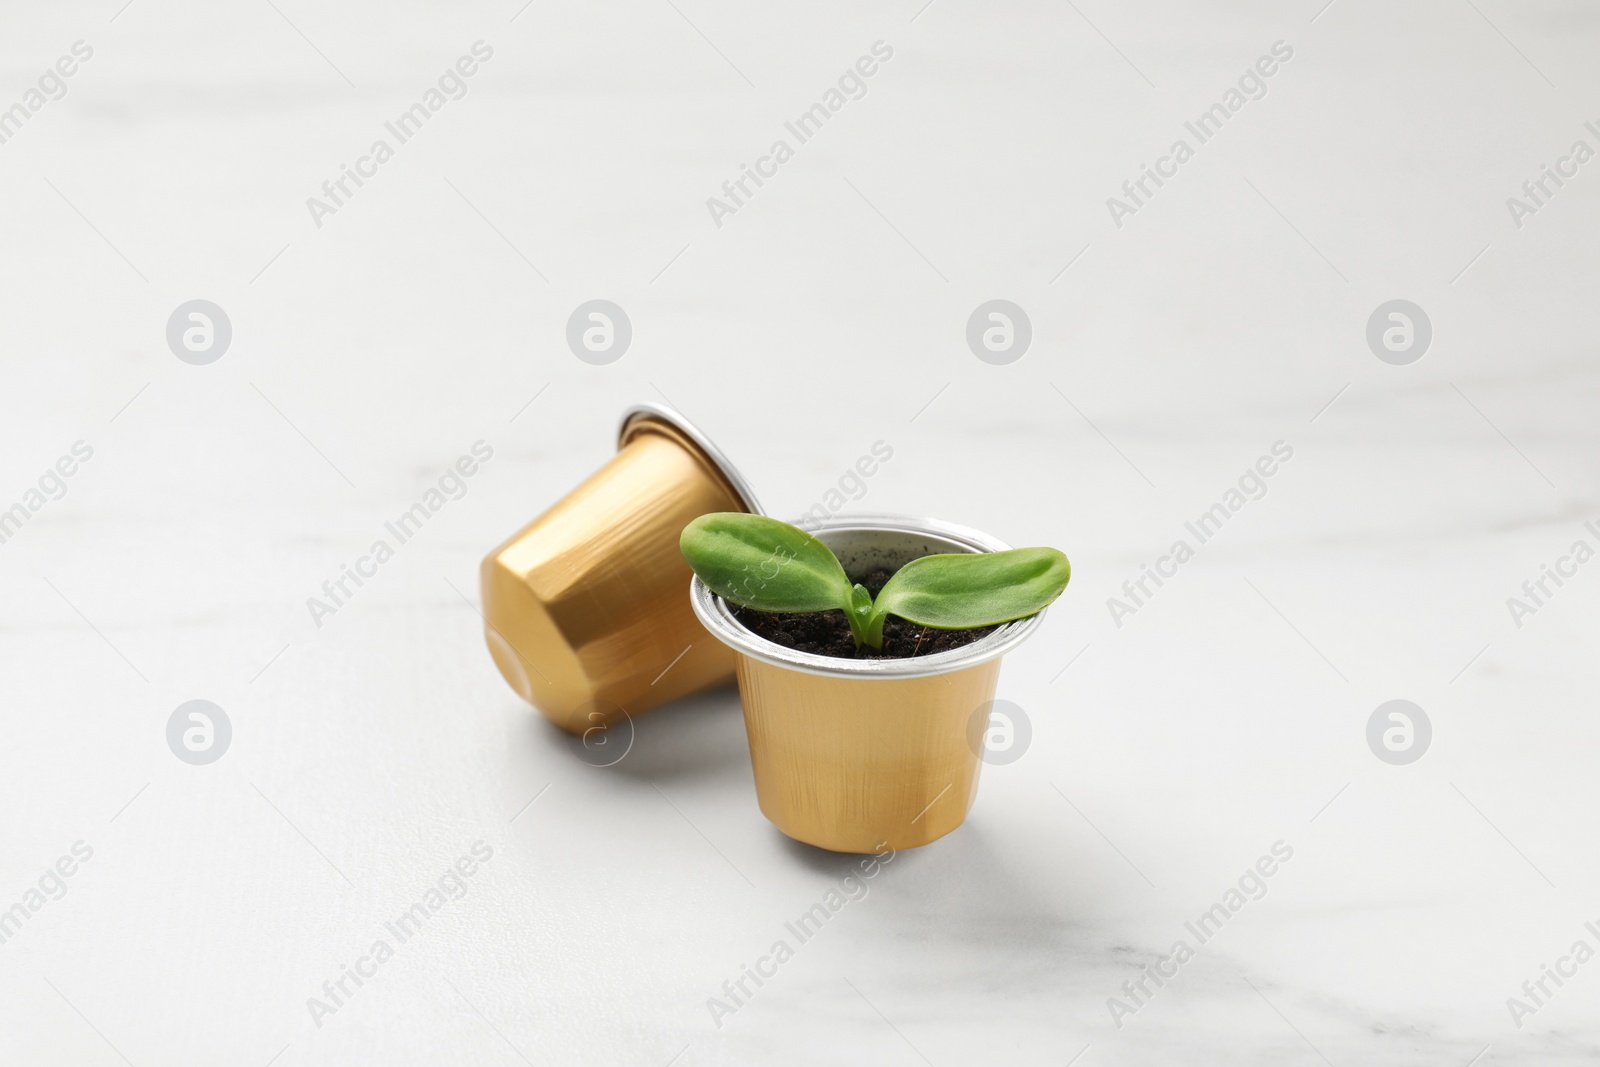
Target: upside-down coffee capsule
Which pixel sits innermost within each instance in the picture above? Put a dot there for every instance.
(586, 609)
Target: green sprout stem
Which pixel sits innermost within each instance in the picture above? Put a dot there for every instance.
(865, 626)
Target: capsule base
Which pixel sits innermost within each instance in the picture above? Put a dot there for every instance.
(857, 765)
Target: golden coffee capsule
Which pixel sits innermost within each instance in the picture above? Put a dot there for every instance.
(586, 609)
(859, 755)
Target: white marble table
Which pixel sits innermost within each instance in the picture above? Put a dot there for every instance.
(207, 905)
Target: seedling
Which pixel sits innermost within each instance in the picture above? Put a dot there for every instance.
(761, 563)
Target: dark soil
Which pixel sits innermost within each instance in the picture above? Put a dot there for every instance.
(827, 633)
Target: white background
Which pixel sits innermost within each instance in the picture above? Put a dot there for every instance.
(827, 314)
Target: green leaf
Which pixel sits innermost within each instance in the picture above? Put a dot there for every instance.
(765, 564)
(959, 591)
